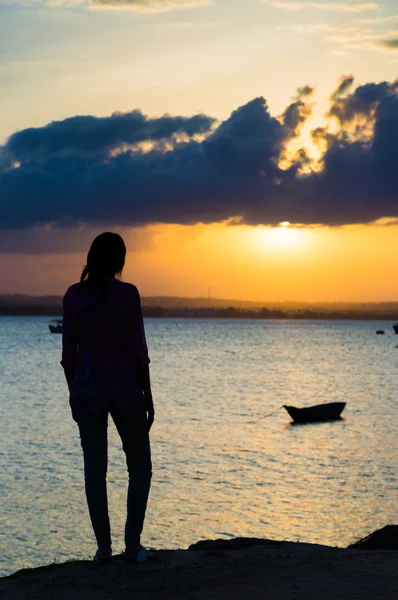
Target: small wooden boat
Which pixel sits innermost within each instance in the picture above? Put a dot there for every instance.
(319, 412)
(380, 332)
(55, 326)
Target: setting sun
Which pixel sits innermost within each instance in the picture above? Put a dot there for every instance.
(281, 237)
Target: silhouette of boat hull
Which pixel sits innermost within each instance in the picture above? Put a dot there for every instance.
(318, 412)
(55, 326)
(395, 327)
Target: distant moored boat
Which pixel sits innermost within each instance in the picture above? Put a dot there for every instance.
(395, 327)
(380, 332)
(55, 326)
(318, 412)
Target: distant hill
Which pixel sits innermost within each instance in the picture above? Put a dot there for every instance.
(181, 302)
(169, 306)
(20, 304)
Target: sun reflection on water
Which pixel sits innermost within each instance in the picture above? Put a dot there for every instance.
(220, 468)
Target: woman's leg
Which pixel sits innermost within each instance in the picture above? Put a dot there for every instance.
(132, 426)
(94, 441)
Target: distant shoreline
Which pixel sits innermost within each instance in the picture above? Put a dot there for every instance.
(207, 317)
(208, 308)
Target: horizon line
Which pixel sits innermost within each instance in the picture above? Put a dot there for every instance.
(217, 299)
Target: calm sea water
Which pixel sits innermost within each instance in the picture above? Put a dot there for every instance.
(221, 466)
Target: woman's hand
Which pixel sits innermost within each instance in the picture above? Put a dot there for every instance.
(150, 410)
(142, 372)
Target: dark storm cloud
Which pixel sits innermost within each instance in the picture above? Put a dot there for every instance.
(345, 83)
(232, 171)
(93, 135)
(193, 182)
(361, 102)
(295, 114)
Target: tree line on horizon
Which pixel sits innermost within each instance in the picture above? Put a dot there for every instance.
(169, 307)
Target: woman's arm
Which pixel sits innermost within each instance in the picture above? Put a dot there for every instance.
(69, 340)
(142, 363)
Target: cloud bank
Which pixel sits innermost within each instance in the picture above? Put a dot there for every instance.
(94, 135)
(128, 170)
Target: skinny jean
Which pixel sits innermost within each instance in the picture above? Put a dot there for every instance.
(131, 424)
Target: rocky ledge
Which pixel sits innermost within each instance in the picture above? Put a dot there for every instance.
(237, 569)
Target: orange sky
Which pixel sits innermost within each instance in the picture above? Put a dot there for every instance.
(63, 59)
(351, 263)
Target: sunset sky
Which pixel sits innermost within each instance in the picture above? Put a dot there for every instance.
(249, 146)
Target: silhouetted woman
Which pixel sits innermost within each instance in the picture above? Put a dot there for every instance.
(105, 358)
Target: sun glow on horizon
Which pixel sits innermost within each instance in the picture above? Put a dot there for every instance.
(297, 263)
(282, 237)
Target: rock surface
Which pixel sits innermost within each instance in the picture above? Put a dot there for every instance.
(241, 569)
(382, 539)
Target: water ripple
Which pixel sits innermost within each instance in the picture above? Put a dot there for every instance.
(220, 467)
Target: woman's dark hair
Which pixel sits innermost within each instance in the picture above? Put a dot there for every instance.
(105, 258)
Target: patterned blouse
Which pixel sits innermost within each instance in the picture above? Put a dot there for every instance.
(103, 340)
